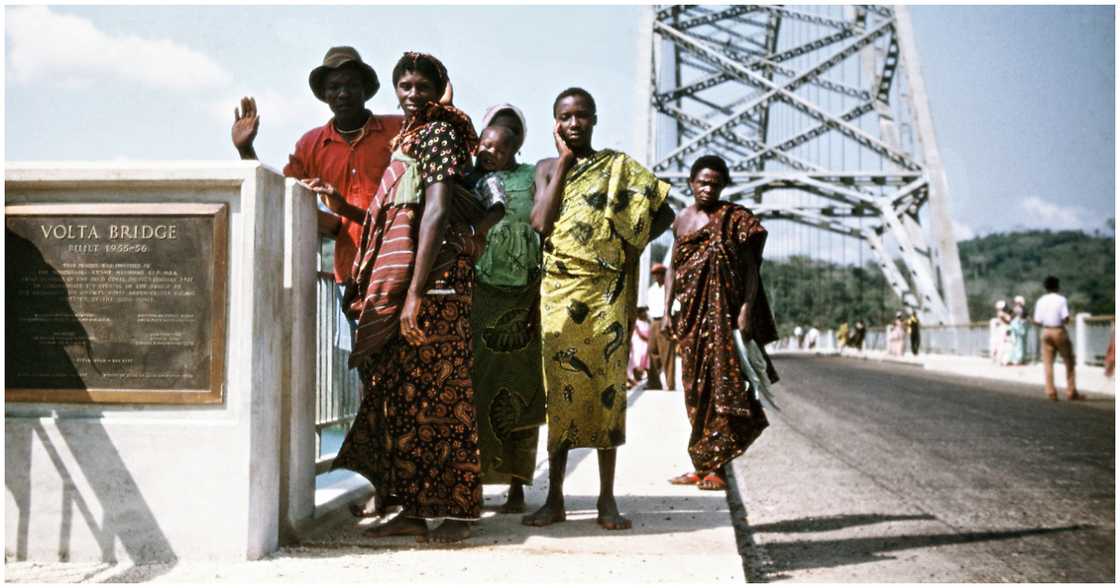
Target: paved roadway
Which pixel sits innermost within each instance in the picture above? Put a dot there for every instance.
(883, 472)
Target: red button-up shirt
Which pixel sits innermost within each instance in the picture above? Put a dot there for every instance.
(353, 168)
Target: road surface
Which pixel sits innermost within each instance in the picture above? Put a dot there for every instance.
(885, 472)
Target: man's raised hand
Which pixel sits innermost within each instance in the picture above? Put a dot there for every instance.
(246, 122)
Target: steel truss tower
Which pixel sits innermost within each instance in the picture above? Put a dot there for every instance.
(822, 116)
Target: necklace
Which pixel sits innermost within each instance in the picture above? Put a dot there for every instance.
(355, 131)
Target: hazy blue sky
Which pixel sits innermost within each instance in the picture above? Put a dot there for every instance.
(1023, 97)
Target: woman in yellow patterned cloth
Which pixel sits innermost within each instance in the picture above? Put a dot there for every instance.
(597, 210)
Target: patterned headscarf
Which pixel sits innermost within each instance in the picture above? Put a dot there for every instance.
(435, 111)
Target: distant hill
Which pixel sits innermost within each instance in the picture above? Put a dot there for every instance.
(1003, 265)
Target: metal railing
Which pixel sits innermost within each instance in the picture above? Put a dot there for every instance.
(875, 339)
(970, 340)
(337, 388)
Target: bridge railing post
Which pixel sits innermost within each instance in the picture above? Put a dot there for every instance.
(1081, 340)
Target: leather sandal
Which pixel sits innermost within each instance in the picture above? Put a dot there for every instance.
(712, 481)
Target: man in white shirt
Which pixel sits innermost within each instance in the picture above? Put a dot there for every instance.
(811, 337)
(662, 348)
(1051, 312)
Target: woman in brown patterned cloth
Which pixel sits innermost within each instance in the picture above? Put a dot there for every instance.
(415, 436)
(715, 277)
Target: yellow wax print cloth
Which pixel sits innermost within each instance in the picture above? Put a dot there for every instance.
(589, 297)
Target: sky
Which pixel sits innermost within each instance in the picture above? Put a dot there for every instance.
(1023, 97)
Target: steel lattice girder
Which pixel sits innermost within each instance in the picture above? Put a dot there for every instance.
(783, 93)
(745, 73)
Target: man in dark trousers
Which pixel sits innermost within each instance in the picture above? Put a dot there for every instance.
(662, 348)
(914, 326)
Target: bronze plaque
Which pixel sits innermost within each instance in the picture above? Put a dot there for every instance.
(115, 303)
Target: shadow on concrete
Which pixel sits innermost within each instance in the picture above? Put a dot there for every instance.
(651, 515)
(124, 516)
(832, 523)
(787, 556)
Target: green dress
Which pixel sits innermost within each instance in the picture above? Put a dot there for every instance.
(509, 389)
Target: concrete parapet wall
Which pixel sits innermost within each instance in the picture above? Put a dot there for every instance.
(129, 482)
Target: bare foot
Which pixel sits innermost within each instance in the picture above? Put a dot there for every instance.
(548, 514)
(449, 532)
(689, 479)
(400, 526)
(609, 517)
(516, 501)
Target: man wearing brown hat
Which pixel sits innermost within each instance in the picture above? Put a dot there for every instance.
(662, 349)
(342, 160)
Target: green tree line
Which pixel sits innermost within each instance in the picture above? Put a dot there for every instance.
(814, 292)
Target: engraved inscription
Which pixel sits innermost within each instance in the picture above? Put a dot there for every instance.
(110, 302)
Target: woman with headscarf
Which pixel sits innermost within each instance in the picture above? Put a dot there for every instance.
(505, 319)
(415, 436)
(1017, 344)
(896, 336)
(1000, 338)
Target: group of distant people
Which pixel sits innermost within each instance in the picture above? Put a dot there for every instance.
(1008, 343)
(904, 327)
(851, 337)
(1009, 331)
(489, 297)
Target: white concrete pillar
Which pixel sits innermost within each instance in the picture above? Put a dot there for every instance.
(298, 439)
(1080, 339)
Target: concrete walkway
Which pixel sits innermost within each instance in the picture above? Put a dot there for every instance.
(1089, 378)
(680, 534)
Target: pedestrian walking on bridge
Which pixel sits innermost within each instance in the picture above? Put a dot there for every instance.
(1051, 312)
(662, 347)
(914, 326)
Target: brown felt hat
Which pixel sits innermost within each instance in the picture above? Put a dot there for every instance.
(335, 58)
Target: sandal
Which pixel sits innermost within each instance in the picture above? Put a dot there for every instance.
(712, 481)
(689, 479)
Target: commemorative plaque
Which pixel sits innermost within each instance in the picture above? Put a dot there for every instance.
(115, 303)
